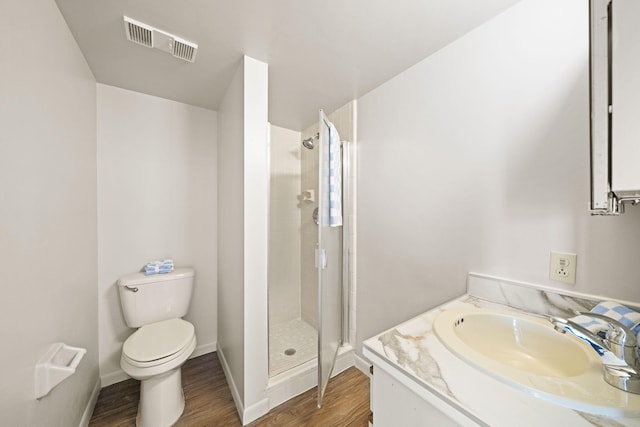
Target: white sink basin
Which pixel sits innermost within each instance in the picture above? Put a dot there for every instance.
(526, 352)
(517, 342)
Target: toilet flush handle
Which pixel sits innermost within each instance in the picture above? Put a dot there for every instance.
(132, 288)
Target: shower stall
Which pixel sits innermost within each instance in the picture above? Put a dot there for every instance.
(308, 255)
(291, 271)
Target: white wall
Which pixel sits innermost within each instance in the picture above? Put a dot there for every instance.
(285, 205)
(242, 221)
(231, 234)
(230, 344)
(47, 213)
(255, 237)
(157, 199)
(476, 159)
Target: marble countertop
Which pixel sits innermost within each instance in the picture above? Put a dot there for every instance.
(415, 354)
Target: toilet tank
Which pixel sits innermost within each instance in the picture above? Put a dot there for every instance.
(149, 299)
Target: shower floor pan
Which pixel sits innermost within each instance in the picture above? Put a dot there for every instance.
(291, 343)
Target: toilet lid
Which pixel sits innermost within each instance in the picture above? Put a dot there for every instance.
(158, 340)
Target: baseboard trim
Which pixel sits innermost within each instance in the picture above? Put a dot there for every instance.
(113, 378)
(247, 414)
(204, 349)
(363, 365)
(119, 375)
(91, 404)
(344, 360)
(255, 411)
(230, 381)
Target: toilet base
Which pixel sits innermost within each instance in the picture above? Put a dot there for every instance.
(161, 400)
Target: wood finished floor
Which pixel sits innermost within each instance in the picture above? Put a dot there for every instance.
(208, 401)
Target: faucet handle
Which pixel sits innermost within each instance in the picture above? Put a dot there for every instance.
(618, 333)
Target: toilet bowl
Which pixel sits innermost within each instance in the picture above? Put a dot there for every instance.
(154, 355)
(155, 352)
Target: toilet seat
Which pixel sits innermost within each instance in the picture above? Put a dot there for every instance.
(158, 343)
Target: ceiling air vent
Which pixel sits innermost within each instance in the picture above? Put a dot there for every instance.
(138, 32)
(146, 35)
(184, 50)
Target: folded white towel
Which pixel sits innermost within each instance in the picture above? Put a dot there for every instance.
(331, 172)
(335, 178)
(614, 310)
(159, 267)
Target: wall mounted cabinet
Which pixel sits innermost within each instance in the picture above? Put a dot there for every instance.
(615, 105)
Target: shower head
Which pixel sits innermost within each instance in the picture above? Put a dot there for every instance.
(308, 142)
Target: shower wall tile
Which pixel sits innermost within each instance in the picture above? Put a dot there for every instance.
(309, 234)
(284, 225)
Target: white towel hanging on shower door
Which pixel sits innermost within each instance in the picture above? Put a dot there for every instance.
(335, 178)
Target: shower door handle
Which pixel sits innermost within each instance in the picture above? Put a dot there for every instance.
(321, 258)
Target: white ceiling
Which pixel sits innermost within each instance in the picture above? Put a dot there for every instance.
(321, 53)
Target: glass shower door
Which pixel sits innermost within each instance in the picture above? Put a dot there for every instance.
(329, 252)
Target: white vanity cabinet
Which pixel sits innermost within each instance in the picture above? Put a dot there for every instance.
(397, 400)
(395, 404)
(418, 381)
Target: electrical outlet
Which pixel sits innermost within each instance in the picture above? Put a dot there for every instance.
(562, 267)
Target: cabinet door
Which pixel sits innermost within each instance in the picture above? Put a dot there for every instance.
(394, 404)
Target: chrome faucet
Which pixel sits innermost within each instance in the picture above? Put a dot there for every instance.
(618, 350)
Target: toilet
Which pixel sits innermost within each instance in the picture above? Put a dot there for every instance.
(163, 341)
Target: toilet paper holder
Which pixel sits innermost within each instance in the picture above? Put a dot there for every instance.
(57, 364)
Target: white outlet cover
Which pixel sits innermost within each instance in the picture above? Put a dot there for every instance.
(562, 267)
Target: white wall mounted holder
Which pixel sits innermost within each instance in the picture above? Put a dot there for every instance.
(57, 364)
(309, 196)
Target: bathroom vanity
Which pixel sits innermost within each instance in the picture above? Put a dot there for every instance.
(423, 377)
